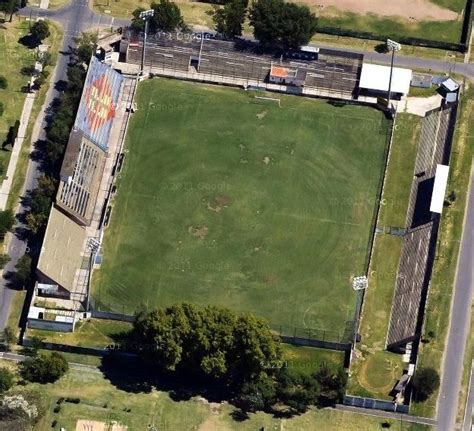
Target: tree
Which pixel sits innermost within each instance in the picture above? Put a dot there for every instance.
(424, 383)
(229, 19)
(21, 410)
(297, 391)
(40, 31)
(167, 17)
(4, 259)
(85, 45)
(332, 383)
(282, 25)
(41, 79)
(23, 271)
(3, 82)
(12, 134)
(209, 343)
(257, 395)
(9, 337)
(44, 368)
(8, 6)
(7, 379)
(138, 24)
(7, 220)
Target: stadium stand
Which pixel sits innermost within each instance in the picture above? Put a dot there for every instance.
(86, 151)
(416, 260)
(330, 70)
(80, 177)
(66, 251)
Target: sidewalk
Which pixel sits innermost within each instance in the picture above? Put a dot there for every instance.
(16, 150)
(24, 120)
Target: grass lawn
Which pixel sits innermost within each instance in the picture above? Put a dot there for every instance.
(13, 57)
(308, 359)
(376, 371)
(91, 333)
(446, 31)
(233, 201)
(439, 300)
(400, 172)
(194, 13)
(101, 401)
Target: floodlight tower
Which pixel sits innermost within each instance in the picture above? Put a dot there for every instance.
(145, 16)
(394, 46)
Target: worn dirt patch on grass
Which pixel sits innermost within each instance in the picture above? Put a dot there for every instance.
(422, 10)
(217, 203)
(198, 232)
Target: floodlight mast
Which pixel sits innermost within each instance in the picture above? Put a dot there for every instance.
(394, 46)
(145, 16)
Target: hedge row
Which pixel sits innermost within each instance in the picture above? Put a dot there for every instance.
(406, 40)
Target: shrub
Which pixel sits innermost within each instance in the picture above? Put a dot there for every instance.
(6, 379)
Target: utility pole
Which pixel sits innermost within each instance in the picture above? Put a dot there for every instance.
(394, 46)
(145, 16)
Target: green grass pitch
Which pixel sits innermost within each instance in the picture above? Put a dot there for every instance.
(229, 200)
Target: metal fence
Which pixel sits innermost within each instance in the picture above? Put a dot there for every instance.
(371, 403)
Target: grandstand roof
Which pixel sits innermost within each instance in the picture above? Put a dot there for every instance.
(98, 102)
(439, 189)
(62, 246)
(376, 77)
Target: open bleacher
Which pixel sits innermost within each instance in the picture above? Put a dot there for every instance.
(242, 60)
(416, 260)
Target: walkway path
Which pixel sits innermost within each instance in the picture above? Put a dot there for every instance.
(24, 121)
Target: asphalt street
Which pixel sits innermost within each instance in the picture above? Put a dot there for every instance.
(77, 17)
(459, 326)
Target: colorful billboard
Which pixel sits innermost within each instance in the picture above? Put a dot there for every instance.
(98, 103)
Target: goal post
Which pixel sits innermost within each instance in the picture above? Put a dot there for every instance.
(269, 99)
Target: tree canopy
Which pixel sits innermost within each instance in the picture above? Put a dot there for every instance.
(210, 343)
(424, 382)
(7, 220)
(217, 347)
(40, 30)
(277, 23)
(44, 368)
(167, 17)
(7, 379)
(229, 20)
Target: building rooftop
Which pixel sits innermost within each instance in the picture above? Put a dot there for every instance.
(376, 77)
(282, 72)
(61, 252)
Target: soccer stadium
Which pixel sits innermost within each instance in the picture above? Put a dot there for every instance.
(245, 200)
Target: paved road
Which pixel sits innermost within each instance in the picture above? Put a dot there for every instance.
(459, 327)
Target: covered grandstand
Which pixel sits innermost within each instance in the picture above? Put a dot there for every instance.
(86, 151)
(69, 226)
(61, 254)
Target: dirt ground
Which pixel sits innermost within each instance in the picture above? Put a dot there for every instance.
(421, 10)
